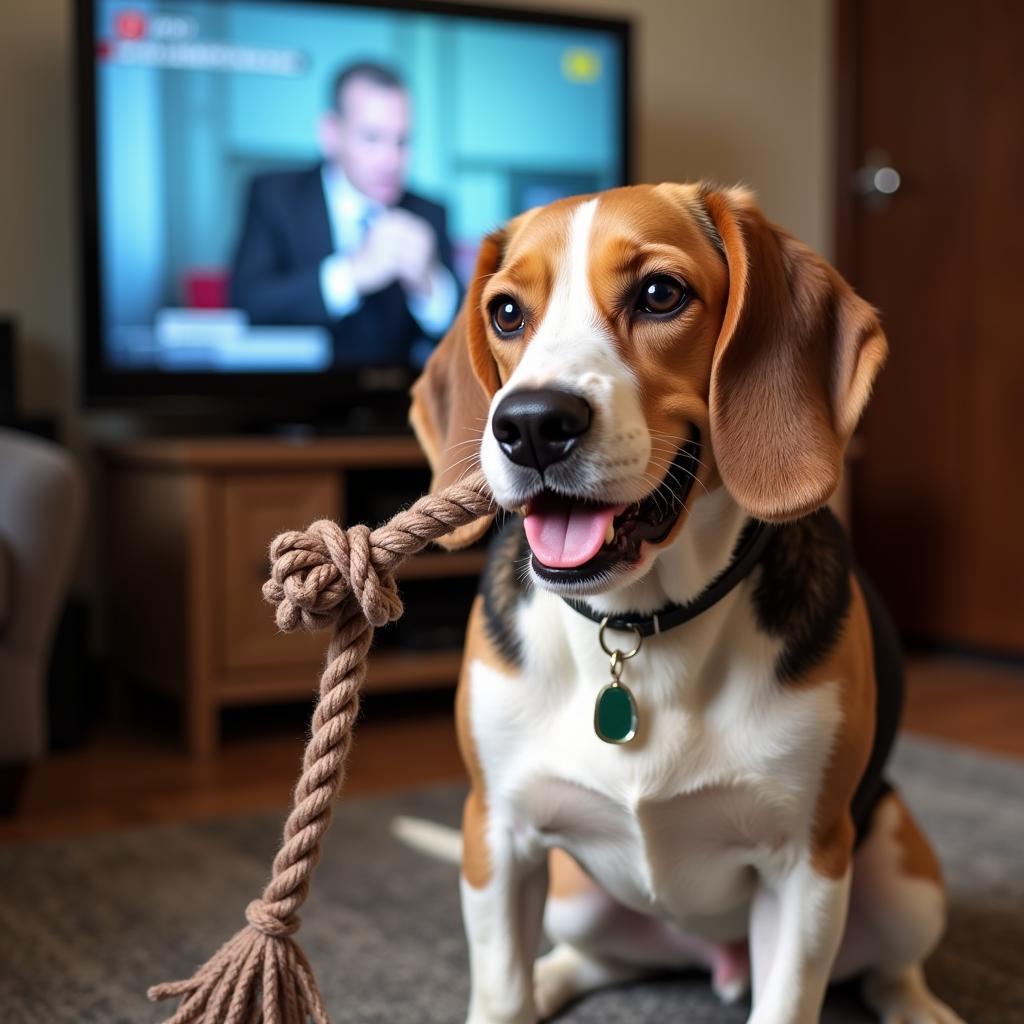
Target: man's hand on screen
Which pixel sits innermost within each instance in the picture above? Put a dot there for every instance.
(417, 250)
(379, 261)
(398, 247)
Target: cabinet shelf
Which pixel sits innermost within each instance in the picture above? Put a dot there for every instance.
(388, 671)
(437, 565)
(199, 514)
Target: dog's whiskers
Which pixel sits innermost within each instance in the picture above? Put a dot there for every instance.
(473, 464)
(670, 470)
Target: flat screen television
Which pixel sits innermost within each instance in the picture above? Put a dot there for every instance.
(282, 201)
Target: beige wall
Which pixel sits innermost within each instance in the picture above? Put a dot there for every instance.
(37, 206)
(735, 91)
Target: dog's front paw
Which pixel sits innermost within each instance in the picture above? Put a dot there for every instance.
(483, 1011)
(565, 974)
(906, 999)
(556, 980)
(477, 1017)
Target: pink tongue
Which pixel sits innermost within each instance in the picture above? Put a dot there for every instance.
(568, 536)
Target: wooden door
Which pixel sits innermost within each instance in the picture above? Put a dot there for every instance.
(935, 90)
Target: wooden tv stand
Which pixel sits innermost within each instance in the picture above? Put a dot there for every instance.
(189, 524)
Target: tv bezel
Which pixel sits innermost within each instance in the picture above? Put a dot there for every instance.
(310, 396)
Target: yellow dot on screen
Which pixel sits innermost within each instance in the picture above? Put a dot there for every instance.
(581, 65)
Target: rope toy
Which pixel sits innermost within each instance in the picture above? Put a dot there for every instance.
(323, 576)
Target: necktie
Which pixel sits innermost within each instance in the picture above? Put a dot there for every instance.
(366, 220)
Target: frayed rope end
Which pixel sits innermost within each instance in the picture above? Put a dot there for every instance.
(254, 978)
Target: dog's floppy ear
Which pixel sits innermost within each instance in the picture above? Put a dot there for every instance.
(793, 365)
(451, 398)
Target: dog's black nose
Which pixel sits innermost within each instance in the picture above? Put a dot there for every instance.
(540, 427)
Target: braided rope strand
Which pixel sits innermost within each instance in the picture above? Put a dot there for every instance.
(323, 576)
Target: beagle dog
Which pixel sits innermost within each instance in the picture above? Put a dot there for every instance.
(678, 695)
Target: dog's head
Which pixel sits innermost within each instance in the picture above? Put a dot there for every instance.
(619, 355)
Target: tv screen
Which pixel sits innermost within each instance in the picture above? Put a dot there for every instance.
(298, 189)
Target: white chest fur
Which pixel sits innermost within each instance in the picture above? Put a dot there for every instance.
(721, 778)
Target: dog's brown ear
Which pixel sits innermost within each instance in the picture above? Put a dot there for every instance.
(451, 398)
(793, 366)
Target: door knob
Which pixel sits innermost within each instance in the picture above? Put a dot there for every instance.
(877, 179)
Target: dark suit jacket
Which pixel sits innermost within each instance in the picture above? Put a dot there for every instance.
(276, 273)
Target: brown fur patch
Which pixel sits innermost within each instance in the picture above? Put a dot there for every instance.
(793, 366)
(537, 243)
(851, 666)
(566, 879)
(919, 860)
(476, 854)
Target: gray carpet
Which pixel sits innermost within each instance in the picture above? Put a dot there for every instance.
(87, 924)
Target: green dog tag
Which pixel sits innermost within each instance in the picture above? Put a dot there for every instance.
(615, 716)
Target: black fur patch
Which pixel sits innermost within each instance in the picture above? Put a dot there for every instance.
(888, 706)
(503, 587)
(803, 593)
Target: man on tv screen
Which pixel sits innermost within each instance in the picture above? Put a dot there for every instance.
(344, 243)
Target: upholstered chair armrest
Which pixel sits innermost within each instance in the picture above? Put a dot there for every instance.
(42, 505)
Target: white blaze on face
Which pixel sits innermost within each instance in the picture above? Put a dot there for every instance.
(574, 349)
(572, 343)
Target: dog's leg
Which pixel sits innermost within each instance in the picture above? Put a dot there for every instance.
(796, 925)
(897, 916)
(503, 892)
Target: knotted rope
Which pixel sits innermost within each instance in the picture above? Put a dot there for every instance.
(323, 576)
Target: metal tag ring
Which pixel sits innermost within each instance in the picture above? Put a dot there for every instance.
(611, 651)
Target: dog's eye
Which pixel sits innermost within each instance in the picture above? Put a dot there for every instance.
(507, 315)
(661, 295)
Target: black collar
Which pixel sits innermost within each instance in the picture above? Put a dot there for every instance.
(753, 540)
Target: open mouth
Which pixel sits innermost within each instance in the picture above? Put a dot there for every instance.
(574, 540)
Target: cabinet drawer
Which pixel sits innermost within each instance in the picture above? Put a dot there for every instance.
(253, 510)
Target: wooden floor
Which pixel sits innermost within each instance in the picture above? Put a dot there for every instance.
(127, 777)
